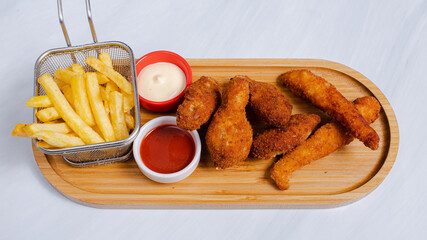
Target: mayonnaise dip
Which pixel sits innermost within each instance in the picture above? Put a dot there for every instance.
(161, 81)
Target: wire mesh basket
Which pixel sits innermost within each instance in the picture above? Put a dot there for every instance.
(123, 62)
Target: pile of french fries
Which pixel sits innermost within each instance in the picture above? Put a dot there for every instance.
(81, 107)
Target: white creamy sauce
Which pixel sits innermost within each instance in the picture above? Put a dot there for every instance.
(161, 81)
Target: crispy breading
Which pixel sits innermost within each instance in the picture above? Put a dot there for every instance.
(326, 140)
(229, 135)
(269, 103)
(277, 141)
(201, 100)
(325, 96)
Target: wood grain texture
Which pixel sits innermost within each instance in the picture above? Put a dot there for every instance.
(341, 178)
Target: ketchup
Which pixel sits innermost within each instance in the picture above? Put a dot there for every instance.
(167, 149)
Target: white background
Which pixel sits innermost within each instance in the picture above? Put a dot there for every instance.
(384, 40)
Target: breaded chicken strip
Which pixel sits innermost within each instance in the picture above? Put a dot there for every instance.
(201, 100)
(277, 141)
(269, 103)
(325, 96)
(229, 135)
(326, 140)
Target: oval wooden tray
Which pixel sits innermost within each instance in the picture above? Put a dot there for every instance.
(341, 178)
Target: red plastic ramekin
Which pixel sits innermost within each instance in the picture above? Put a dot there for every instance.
(169, 57)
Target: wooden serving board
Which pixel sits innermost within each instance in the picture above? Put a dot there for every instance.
(341, 178)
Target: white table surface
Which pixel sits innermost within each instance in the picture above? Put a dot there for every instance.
(384, 40)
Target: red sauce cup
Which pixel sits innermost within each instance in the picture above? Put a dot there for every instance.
(169, 57)
(165, 177)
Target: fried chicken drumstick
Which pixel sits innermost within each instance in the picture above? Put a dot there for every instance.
(229, 135)
(326, 140)
(201, 100)
(277, 141)
(325, 96)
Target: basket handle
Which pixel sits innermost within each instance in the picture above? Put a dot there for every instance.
(64, 29)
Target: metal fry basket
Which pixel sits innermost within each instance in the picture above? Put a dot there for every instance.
(123, 62)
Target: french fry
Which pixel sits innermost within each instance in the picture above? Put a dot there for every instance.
(102, 79)
(69, 69)
(110, 87)
(106, 59)
(107, 108)
(44, 144)
(130, 122)
(47, 114)
(104, 98)
(98, 109)
(39, 101)
(103, 93)
(128, 102)
(64, 75)
(59, 140)
(84, 131)
(117, 115)
(19, 131)
(114, 76)
(81, 102)
(68, 93)
(32, 128)
(77, 68)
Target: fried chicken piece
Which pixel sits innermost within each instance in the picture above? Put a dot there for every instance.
(269, 103)
(201, 100)
(325, 96)
(229, 135)
(326, 140)
(277, 141)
